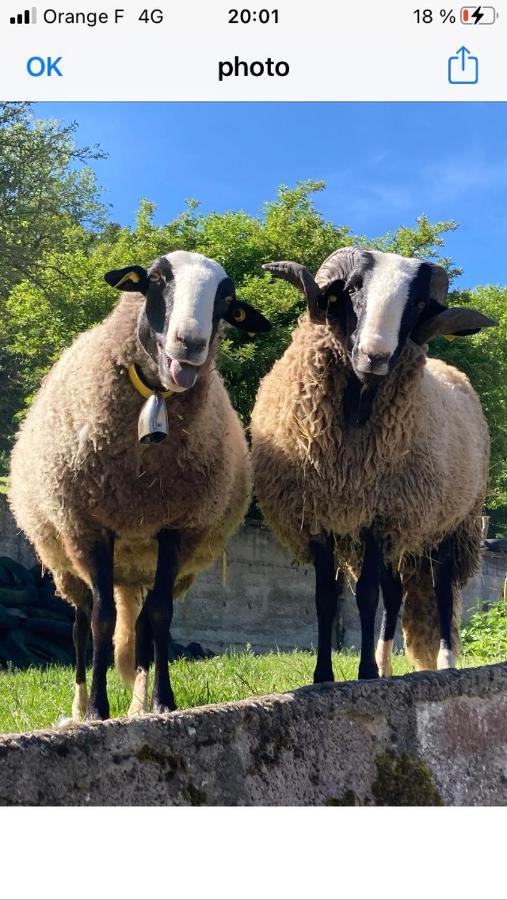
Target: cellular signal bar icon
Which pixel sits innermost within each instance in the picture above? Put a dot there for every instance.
(28, 17)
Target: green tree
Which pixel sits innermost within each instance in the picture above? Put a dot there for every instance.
(48, 199)
(483, 358)
(42, 188)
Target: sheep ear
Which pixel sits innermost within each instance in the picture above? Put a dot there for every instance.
(132, 278)
(245, 317)
(455, 322)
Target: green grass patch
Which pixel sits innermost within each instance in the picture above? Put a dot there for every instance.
(485, 635)
(3, 484)
(37, 698)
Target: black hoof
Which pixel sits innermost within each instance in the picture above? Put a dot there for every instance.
(367, 672)
(323, 676)
(161, 709)
(164, 704)
(97, 714)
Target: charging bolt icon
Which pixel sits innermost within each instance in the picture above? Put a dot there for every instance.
(478, 15)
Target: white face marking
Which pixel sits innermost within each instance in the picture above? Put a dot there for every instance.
(386, 295)
(196, 279)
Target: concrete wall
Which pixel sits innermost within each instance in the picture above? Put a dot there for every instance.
(12, 542)
(423, 740)
(267, 601)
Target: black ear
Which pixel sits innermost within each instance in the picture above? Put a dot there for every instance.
(244, 316)
(132, 278)
(332, 300)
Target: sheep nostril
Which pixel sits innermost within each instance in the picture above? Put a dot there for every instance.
(190, 344)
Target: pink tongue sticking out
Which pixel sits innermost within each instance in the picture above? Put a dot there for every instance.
(184, 375)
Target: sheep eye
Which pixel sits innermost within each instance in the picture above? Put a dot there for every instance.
(332, 299)
(229, 299)
(155, 278)
(239, 315)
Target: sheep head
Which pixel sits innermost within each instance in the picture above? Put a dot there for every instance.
(376, 302)
(187, 296)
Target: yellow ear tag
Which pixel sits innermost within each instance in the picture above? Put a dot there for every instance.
(239, 315)
(130, 276)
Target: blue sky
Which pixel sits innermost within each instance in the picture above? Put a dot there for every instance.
(384, 163)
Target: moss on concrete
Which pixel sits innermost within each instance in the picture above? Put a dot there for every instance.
(403, 781)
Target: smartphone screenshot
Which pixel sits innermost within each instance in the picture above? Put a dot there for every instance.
(253, 448)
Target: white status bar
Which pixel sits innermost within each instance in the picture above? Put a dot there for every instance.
(289, 50)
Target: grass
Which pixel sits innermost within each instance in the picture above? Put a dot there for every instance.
(3, 484)
(37, 698)
(486, 633)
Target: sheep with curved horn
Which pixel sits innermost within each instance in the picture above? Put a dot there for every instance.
(369, 456)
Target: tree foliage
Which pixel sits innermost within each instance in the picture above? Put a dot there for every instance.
(483, 358)
(49, 201)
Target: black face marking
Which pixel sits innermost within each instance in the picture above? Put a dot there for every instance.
(154, 320)
(345, 299)
(417, 302)
(226, 292)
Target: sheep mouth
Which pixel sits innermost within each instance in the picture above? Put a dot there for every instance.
(179, 376)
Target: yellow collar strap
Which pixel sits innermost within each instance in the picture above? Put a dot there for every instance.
(142, 388)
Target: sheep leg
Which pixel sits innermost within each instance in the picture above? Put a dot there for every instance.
(443, 589)
(103, 622)
(81, 636)
(159, 604)
(367, 597)
(144, 657)
(327, 589)
(392, 595)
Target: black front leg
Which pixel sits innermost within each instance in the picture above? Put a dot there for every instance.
(443, 588)
(103, 622)
(367, 596)
(159, 608)
(392, 595)
(327, 591)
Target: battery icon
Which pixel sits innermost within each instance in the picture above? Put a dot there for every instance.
(478, 15)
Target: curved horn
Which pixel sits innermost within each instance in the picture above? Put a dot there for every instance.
(299, 277)
(457, 321)
(340, 265)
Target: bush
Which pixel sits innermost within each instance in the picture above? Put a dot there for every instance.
(485, 636)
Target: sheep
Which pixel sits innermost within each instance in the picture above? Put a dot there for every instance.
(113, 517)
(366, 451)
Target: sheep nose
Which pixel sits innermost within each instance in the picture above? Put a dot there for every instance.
(373, 363)
(187, 347)
(379, 362)
(197, 345)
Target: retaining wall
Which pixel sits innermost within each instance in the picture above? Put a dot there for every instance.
(425, 739)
